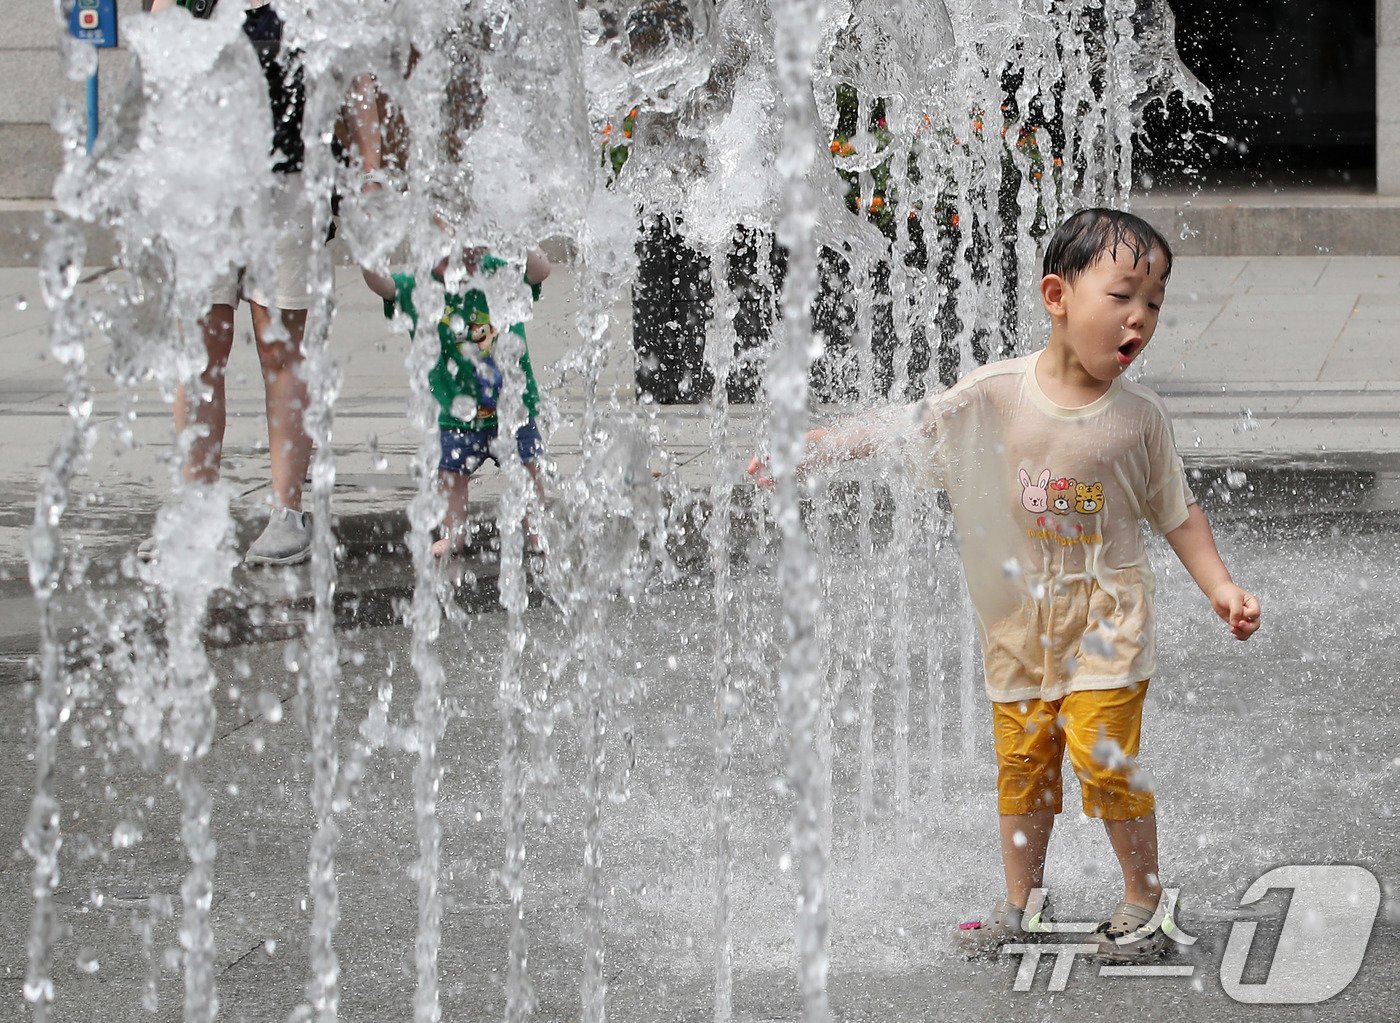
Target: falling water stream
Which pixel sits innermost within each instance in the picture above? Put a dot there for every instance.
(975, 127)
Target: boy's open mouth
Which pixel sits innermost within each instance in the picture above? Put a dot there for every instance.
(1127, 350)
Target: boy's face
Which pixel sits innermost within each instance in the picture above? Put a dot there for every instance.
(1110, 310)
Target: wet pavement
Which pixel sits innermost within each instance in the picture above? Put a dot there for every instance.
(1283, 377)
(1277, 752)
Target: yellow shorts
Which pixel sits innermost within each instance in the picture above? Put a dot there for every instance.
(1031, 737)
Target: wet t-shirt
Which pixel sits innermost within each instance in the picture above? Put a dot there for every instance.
(1048, 503)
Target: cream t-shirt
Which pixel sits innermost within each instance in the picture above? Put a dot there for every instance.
(1047, 502)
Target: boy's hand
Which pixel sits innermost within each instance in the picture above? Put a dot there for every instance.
(758, 469)
(1237, 608)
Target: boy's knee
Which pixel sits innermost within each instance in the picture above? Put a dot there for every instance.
(1015, 800)
(1114, 803)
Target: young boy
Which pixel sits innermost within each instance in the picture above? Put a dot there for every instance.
(1049, 461)
(466, 381)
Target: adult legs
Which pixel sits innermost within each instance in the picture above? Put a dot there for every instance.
(206, 411)
(289, 447)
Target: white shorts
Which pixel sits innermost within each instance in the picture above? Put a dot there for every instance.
(288, 284)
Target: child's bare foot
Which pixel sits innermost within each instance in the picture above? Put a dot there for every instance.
(449, 546)
(535, 549)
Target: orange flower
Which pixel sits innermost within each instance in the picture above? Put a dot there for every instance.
(876, 203)
(836, 145)
(977, 124)
(955, 220)
(913, 214)
(1035, 175)
(1058, 161)
(626, 133)
(607, 130)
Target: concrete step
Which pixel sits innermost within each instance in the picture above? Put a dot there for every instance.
(1275, 222)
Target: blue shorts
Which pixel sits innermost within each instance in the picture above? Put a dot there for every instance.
(464, 451)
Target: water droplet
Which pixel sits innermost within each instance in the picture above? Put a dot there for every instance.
(38, 989)
(1019, 839)
(87, 961)
(21, 304)
(125, 835)
(270, 706)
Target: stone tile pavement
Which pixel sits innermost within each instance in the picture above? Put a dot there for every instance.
(1290, 360)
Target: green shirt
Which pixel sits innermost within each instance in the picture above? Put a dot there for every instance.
(457, 378)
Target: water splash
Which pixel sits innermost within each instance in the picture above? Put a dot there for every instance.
(43, 837)
(719, 357)
(973, 178)
(796, 34)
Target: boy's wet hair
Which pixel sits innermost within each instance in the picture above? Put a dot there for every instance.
(1080, 241)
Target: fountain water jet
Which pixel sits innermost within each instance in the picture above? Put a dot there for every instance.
(738, 110)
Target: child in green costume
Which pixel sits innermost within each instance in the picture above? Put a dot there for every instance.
(466, 381)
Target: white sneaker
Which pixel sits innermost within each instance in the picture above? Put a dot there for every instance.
(285, 541)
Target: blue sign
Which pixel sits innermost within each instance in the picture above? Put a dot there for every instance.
(94, 21)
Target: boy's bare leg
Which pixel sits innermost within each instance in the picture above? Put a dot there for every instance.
(1135, 843)
(207, 410)
(454, 522)
(532, 536)
(1023, 859)
(289, 447)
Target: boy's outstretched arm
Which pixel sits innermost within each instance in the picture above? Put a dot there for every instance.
(381, 284)
(1195, 546)
(830, 446)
